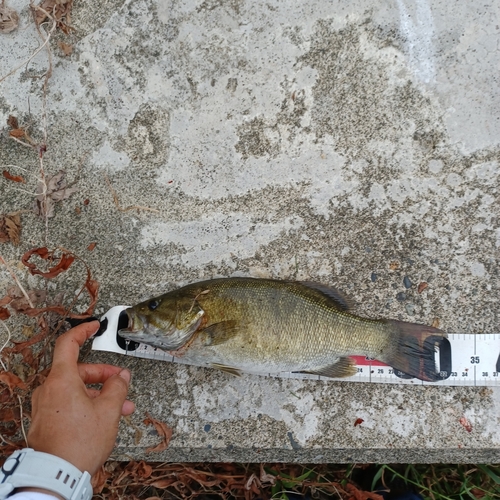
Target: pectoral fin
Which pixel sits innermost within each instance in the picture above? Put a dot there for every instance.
(219, 333)
(228, 369)
(344, 367)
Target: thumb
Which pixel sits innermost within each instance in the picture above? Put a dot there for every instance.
(114, 390)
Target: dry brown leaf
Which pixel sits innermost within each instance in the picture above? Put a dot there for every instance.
(10, 177)
(9, 414)
(422, 286)
(5, 300)
(12, 122)
(360, 494)
(17, 133)
(12, 381)
(21, 304)
(143, 470)
(28, 331)
(9, 19)
(163, 483)
(66, 48)
(435, 323)
(65, 261)
(60, 10)
(10, 228)
(55, 189)
(4, 313)
(91, 246)
(164, 431)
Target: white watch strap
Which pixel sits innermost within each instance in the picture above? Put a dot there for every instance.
(30, 468)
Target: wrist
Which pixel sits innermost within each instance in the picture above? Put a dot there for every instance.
(39, 490)
(42, 472)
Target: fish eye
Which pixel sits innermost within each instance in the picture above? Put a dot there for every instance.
(153, 304)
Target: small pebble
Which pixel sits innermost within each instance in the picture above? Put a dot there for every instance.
(207, 427)
(374, 277)
(401, 297)
(422, 286)
(407, 282)
(410, 309)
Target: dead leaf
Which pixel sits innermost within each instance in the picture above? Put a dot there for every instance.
(12, 381)
(358, 494)
(54, 189)
(21, 304)
(9, 19)
(9, 414)
(12, 122)
(422, 286)
(143, 469)
(358, 421)
(27, 355)
(10, 177)
(10, 228)
(65, 261)
(91, 246)
(66, 48)
(5, 300)
(164, 432)
(465, 423)
(4, 313)
(435, 323)
(18, 133)
(28, 331)
(162, 483)
(60, 10)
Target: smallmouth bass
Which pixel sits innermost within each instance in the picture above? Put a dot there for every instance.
(265, 326)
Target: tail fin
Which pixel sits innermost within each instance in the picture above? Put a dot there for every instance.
(415, 351)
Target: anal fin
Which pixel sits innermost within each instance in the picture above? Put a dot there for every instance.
(228, 369)
(344, 367)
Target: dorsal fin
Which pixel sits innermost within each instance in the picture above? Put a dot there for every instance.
(342, 302)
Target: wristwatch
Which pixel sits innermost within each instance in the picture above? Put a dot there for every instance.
(30, 468)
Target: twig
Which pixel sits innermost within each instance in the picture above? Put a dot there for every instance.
(34, 53)
(44, 194)
(21, 420)
(31, 146)
(126, 209)
(18, 283)
(48, 74)
(6, 342)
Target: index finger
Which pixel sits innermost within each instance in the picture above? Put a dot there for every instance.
(68, 345)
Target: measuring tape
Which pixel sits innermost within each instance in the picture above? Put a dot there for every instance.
(463, 360)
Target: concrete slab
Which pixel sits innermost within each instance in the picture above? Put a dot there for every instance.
(354, 144)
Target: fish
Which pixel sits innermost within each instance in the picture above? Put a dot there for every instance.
(267, 326)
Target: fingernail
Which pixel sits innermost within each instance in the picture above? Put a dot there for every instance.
(125, 375)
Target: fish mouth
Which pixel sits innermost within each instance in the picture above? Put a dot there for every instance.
(130, 324)
(136, 327)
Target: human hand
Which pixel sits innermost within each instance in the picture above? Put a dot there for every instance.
(69, 419)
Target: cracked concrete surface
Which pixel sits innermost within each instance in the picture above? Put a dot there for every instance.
(288, 140)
